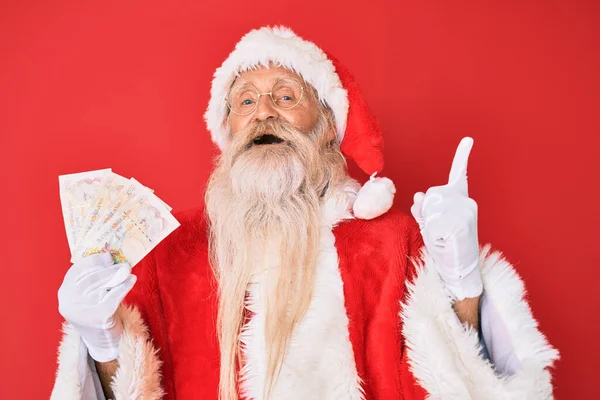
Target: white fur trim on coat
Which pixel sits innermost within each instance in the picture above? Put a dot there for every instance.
(319, 363)
(445, 357)
(281, 46)
(138, 376)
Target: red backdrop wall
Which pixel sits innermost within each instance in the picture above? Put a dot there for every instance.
(87, 85)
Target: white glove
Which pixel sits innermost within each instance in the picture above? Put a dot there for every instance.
(88, 298)
(448, 221)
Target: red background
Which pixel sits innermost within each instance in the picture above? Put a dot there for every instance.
(88, 86)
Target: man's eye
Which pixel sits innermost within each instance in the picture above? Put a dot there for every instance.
(285, 99)
(247, 102)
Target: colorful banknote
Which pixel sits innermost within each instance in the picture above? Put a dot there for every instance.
(77, 192)
(127, 194)
(110, 188)
(105, 212)
(133, 231)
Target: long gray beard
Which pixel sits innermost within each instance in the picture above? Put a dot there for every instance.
(258, 195)
(258, 192)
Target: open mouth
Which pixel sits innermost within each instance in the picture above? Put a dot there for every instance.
(267, 139)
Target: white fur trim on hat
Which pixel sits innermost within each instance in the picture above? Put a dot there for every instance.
(281, 46)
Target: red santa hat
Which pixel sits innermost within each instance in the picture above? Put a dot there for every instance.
(358, 130)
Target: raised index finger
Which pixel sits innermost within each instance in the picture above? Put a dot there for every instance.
(458, 172)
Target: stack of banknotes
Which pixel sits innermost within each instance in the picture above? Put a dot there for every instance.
(105, 212)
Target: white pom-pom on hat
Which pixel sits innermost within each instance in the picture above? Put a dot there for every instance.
(374, 198)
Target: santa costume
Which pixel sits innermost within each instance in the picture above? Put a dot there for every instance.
(380, 324)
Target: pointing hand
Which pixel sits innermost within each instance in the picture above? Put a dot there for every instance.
(447, 217)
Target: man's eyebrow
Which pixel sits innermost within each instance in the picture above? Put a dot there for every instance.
(279, 77)
(244, 86)
(244, 81)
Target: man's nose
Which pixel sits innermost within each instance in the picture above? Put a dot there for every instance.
(265, 109)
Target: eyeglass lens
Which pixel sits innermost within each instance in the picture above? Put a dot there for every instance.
(243, 99)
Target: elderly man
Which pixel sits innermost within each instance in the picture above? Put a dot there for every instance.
(295, 283)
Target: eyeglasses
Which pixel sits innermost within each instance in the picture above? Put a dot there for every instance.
(243, 99)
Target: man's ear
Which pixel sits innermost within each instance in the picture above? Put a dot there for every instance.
(329, 136)
(331, 127)
(226, 127)
(225, 124)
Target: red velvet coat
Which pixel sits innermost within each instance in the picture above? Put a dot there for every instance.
(375, 320)
(176, 295)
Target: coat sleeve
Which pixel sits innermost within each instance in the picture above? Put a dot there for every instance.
(445, 357)
(139, 373)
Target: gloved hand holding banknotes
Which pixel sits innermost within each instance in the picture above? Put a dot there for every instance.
(112, 223)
